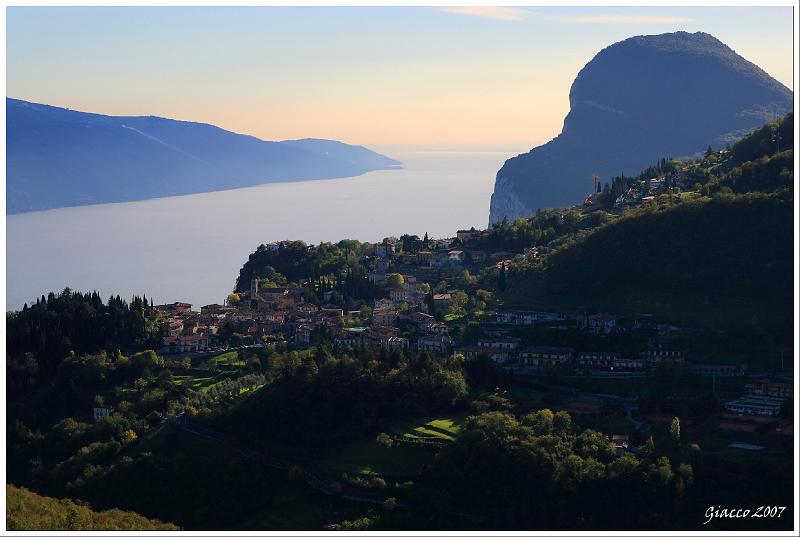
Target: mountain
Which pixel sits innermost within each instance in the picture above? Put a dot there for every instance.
(59, 158)
(636, 101)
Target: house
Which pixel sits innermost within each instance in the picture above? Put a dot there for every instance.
(476, 256)
(719, 370)
(396, 342)
(755, 406)
(384, 317)
(302, 334)
(348, 337)
(174, 308)
(180, 344)
(422, 319)
(597, 359)
(658, 354)
(629, 364)
(437, 328)
(530, 253)
(172, 327)
(425, 257)
(382, 304)
(498, 356)
(456, 257)
(506, 343)
(399, 295)
(100, 412)
(601, 323)
(435, 343)
(771, 388)
(620, 443)
(524, 318)
(385, 249)
(467, 235)
(441, 301)
(545, 357)
(213, 309)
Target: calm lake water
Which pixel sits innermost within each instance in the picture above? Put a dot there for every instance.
(190, 248)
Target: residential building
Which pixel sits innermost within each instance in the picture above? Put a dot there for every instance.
(506, 343)
(435, 343)
(597, 359)
(100, 412)
(601, 323)
(771, 388)
(755, 406)
(181, 344)
(545, 357)
(467, 235)
(719, 370)
(384, 317)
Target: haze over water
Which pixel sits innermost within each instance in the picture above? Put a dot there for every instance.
(190, 248)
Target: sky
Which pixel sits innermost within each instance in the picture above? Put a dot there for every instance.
(492, 77)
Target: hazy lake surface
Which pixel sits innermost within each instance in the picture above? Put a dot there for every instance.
(190, 248)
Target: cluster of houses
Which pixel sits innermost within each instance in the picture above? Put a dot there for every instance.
(647, 190)
(402, 318)
(444, 258)
(507, 351)
(764, 397)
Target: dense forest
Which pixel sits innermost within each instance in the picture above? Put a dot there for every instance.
(40, 336)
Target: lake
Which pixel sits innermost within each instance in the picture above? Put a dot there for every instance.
(190, 248)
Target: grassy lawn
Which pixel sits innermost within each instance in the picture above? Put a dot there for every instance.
(444, 427)
(201, 381)
(229, 359)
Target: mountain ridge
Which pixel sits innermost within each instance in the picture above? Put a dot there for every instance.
(59, 157)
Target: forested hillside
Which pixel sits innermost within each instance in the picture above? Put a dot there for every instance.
(26, 510)
(724, 242)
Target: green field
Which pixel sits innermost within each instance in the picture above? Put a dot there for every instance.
(441, 427)
(201, 381)
(227, 359)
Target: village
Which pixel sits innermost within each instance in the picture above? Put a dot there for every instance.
(427, 300)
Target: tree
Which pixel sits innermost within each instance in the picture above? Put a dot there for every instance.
(675, 430)
(384, 440)
(234, 299)
(502, 283)
(395, 280)
(458, 302)
(128, 437)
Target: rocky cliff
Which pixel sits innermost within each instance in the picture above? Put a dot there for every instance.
(635, 102)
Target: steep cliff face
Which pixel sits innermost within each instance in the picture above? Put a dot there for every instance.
(636, 101)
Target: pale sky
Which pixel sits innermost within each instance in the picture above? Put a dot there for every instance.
(495, 76)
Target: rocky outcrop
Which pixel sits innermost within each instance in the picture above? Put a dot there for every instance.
(637, 101)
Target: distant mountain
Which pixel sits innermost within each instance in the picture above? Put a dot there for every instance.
(636, 101)
(59, 158)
